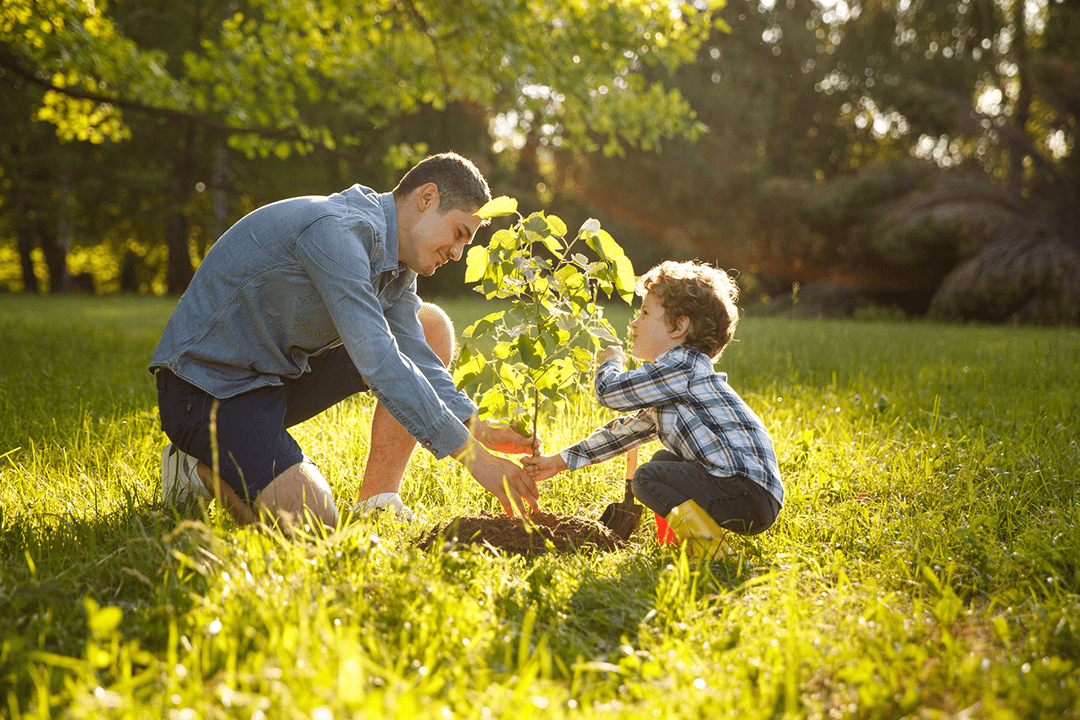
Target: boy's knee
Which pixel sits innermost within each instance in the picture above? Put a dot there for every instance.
(438, 331)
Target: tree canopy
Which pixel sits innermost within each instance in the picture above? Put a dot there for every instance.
(284, 75)
(880, 143)
(280, 77)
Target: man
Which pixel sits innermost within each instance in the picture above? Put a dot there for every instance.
(305, 302)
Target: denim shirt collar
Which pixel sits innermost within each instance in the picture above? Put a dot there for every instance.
(389, 262)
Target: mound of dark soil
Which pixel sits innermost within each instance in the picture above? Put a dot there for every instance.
(542, 533)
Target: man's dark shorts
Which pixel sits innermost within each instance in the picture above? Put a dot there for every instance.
(253, 443)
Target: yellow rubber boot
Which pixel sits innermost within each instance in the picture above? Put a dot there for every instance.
(699, 532)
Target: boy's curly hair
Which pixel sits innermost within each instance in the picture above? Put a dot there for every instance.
(704, 294)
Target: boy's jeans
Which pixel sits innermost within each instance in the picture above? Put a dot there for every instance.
(736, 504)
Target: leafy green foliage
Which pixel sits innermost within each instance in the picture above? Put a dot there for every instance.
(283, 76)
(537, 363)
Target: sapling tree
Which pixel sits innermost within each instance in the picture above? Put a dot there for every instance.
(544, 342)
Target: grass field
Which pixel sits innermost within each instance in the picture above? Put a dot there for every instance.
(925, 564)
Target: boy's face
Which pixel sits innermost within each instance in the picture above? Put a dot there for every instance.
(651, 334)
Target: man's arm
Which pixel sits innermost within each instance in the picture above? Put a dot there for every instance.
(336, 260)
(403, 320)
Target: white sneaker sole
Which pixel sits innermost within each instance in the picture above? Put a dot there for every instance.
(177, 485)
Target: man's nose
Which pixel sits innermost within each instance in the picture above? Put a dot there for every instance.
(456, 251)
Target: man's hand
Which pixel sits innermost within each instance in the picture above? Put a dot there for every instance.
(503, 438)
(506, 481)
(541, 467)
(612, 352)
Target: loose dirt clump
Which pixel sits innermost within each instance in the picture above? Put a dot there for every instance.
(543, 533)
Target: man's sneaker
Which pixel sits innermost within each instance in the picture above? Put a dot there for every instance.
(179, 480)
(383, 502)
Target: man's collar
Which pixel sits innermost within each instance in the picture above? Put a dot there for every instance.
(390, 259)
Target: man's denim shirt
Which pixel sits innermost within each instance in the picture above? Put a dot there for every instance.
(296, 277)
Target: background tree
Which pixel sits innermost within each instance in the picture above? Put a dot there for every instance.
(882, 146)
(278, 77)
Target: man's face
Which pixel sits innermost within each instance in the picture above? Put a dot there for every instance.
(436, 237)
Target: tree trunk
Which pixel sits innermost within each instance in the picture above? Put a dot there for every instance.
(179, 272)
(55, 258)
(220, 188)
(1022, 112)
(25, 241)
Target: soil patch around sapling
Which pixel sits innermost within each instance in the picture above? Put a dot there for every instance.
(544, 532)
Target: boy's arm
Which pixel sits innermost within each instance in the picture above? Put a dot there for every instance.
(655, 383)
(614, 438)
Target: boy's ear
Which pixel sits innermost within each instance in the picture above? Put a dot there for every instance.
(682, 326)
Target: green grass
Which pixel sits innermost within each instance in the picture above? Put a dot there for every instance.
(925, 564)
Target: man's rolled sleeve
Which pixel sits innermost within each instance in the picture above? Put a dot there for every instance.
(446, 436)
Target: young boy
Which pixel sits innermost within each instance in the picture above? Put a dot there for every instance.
(718, 469)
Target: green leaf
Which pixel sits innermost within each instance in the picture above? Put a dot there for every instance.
(535, 223)
(557, 226)
(491, 403)
(582, 359)
(590, 227)
(498, 207)
(607, 247)
(476, 263)
(503, 350)
(484, 325)
(529, 351)
(602, 333)
(503, 240)
(625, 280)
(570, 278)
(553, 245)
(470, 364)
(511, 378)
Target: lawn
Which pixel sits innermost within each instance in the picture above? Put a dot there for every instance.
(925, 564)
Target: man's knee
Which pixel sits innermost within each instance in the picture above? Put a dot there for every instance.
(299, 495)
(438, 331)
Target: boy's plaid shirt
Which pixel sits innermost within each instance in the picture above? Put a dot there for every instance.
(691, 408)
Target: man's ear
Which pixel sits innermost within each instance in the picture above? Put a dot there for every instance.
(427, 196)
(682, 326)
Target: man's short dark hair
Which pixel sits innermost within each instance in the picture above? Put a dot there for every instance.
(461, 186)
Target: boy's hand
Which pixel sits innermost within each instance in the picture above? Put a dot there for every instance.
(541, 467)
(503, 438)
(612, 352)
